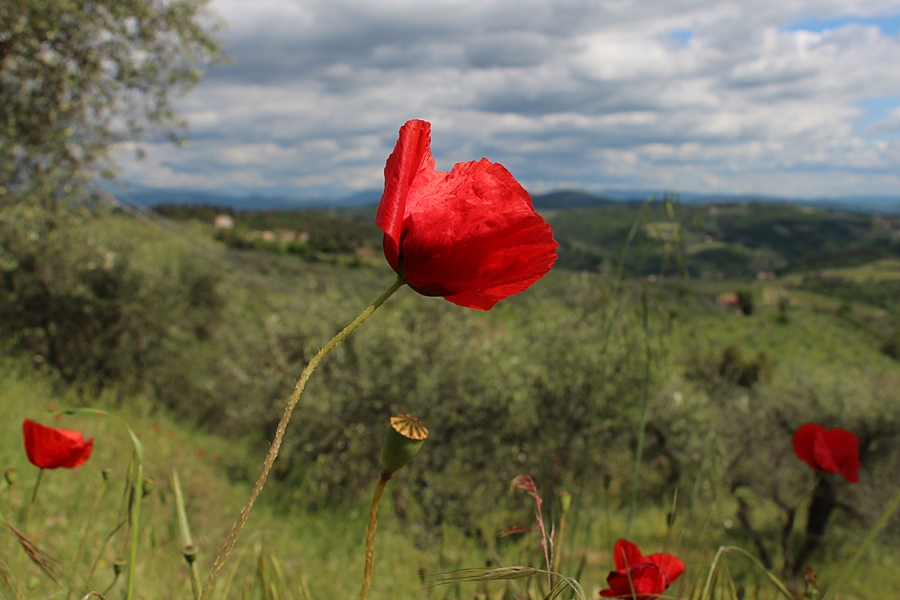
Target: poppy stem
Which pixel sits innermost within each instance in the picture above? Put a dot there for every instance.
(282, 426)
(137, 490)
(34, 493)
(370, 534)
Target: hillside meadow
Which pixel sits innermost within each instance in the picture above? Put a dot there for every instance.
(196, 343)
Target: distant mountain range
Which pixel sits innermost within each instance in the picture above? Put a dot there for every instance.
(553, 200)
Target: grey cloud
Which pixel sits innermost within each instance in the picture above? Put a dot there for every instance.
(566, 91)
(508, 49)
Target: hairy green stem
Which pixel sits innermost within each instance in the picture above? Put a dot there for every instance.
(282, 427)
(30, 510)
(370, 534)
(138, 491)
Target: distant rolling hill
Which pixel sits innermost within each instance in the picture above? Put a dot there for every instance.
(723, 239)
(569, 199)
(559, 199)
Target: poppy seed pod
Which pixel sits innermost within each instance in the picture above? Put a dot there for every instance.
(119, 566)
(402, 442)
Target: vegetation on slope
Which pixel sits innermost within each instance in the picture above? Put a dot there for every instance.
(553, 382)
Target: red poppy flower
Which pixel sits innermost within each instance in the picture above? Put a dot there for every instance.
(639, 577)
(832, 450)
(470, 235)
(51, 448)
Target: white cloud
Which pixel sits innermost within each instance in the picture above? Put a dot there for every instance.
(692, 95)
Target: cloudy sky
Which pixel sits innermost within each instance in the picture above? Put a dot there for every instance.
(779, 97)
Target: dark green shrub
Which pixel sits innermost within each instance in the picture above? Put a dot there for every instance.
(502, 392)
(80, 307)
(891, 345)
(783, 318)
(728, 368)
(745, 301)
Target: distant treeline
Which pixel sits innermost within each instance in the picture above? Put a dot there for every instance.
(304, 232)
(720, 240)
(883, 294)
(700, 241)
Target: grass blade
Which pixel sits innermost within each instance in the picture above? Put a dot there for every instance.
(848, 569)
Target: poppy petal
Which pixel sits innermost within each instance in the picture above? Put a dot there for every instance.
(79, 455)
(411, 154)
(626, 555)
(844, 447)
(803, 441)
(51, 448)
(484, 237)
(619, 586)
(670, 565)
(822, 455)
(471, 235)
(649, 580)
(640, 583)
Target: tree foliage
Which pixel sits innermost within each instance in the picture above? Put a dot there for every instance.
(78, 76)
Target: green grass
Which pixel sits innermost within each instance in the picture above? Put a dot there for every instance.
(320, 550)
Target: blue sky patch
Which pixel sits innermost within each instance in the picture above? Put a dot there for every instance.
(875, 109)
(889, 24)
(681, 37)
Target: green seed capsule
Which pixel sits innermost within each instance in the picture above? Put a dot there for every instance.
(402, 442)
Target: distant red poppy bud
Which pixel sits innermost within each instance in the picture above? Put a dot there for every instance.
(51, 448)
(470, 235)
(640, 577)
(832, 450)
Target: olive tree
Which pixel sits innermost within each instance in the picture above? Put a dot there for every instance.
(77, 76)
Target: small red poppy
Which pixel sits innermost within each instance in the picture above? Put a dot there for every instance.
(639, 577)
(832, 450)
(470, 235)
(51, 448)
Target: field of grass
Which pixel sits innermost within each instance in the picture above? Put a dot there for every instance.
(319, 551)
(554, 383)
(294, 553)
